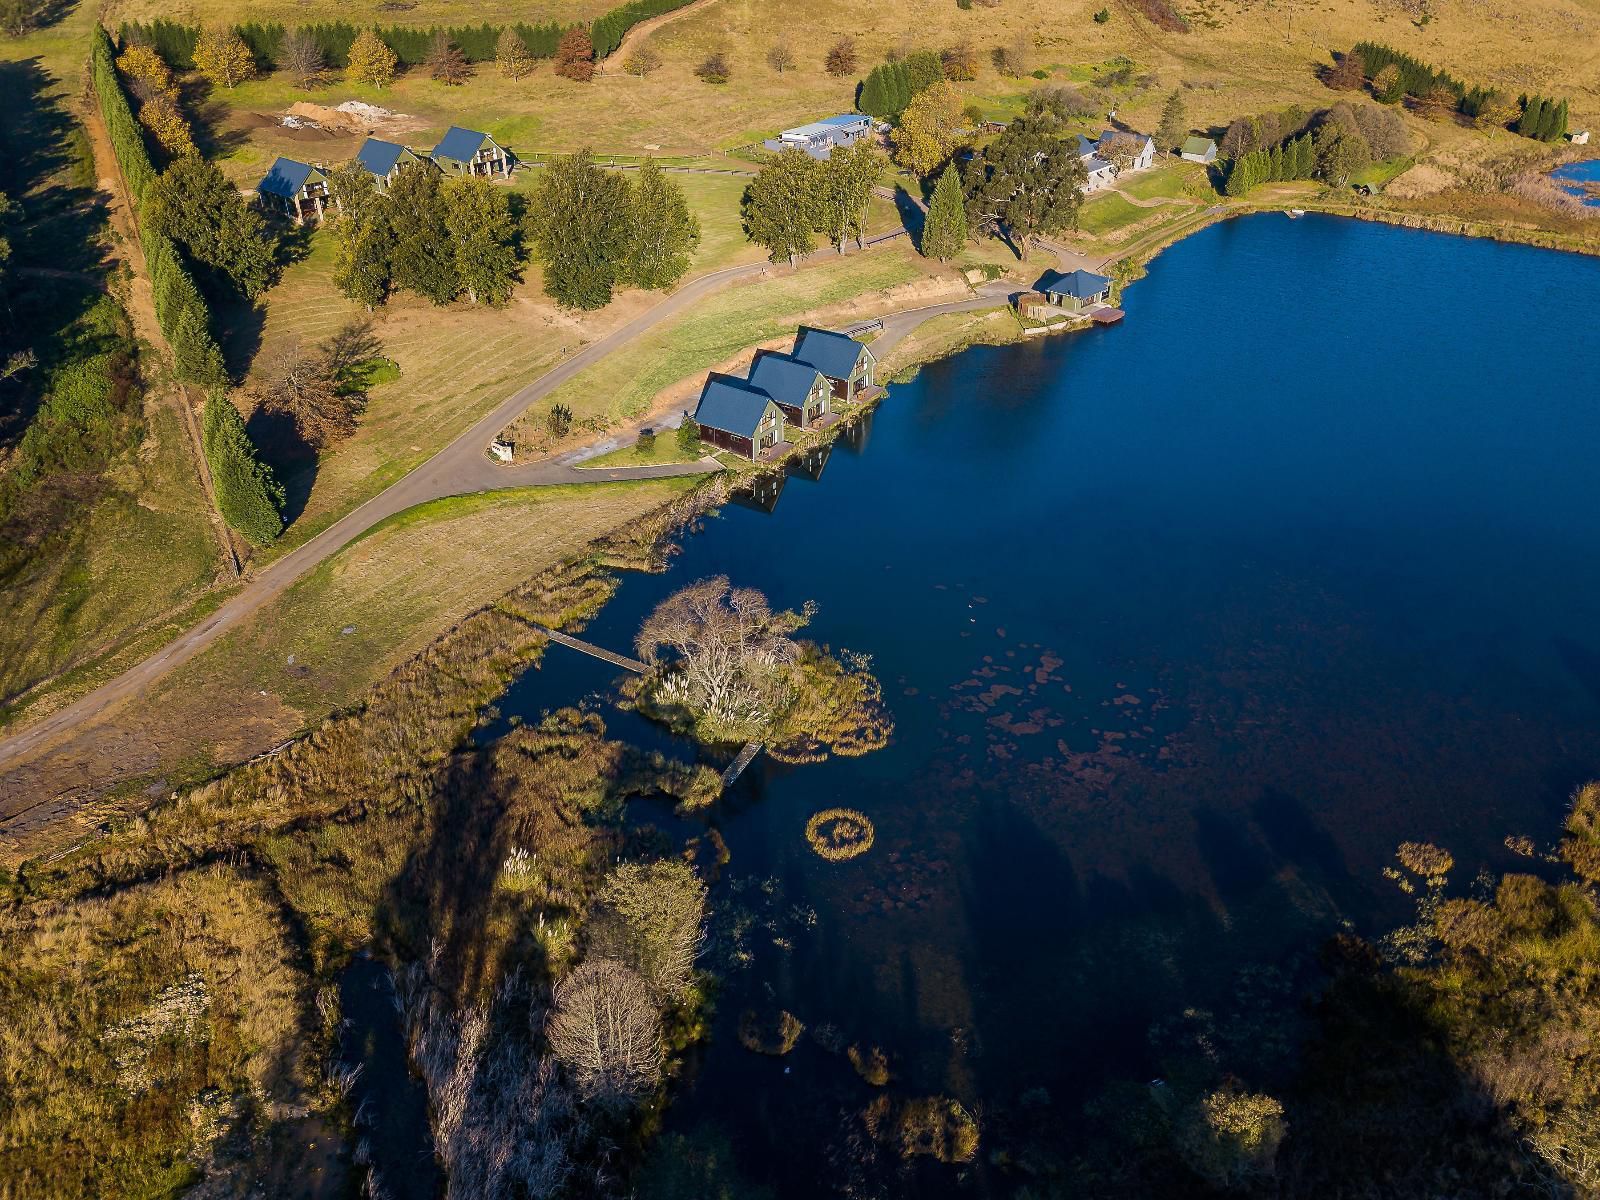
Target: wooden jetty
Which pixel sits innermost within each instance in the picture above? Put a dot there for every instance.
(1106, 316)
(593, 651)
(737, 766)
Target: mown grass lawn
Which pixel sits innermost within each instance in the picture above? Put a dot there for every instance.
(398, 585)
(1110, 212)
(660, 450)
(747, 314)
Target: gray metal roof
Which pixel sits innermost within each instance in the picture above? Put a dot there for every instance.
(286, 178)
(783, 377)
(1081, 285)
(731, 405)
(834, 354)
(460, 145)
(379, 156)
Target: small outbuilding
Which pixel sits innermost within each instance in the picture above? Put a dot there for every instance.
(819, 138)
(1075, 291)
(468, 152)
(1579, 137)
(844, 362)
(1036, 306)
(798, 388)
(297, 190)
(738, 416)
(1198, 149)
(382, 159)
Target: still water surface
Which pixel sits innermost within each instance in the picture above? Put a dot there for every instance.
(1185, 624)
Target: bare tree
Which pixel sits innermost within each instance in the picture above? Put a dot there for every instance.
(731, 654)
(607, 1031)
(841, 60)
(652, 917)
(1121, 149)
(446, 63)
(781, 57)
(319, 388)
(302, 57)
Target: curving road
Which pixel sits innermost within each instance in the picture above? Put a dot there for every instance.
(462, 467)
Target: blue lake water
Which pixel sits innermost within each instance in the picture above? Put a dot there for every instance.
(1572, 175)
(1185, 624)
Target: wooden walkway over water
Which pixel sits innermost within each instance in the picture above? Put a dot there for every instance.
(735, 768)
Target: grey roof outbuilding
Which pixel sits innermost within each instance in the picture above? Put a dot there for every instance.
(731, 405)
(834, 354)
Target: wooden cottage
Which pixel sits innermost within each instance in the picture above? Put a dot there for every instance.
(844, 362)
(797, 388)
(384, 159)
(468, 152)
(1075, 291)
(739, 417)
(1198, 149)
(297, 190)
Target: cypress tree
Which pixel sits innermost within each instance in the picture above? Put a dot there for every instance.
(1237, 182)
(1532, 115)
(873, 99)
(1558, 124)
(249, 498)
(899, 88)
(944, 232)
(1275, 164)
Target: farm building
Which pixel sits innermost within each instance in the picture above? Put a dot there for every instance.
(843, 361)
(1579, 137)
(1198, 149)
(819, 138)
(1075, 291)
(1145, 148)
(382, 159)
(738, 416)
(798, 388)
(297, 190)
(468, 152)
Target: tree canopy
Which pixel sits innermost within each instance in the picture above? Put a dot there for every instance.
(1027, 183)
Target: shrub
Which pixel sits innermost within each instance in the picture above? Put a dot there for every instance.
(775, 1035)
(1102, 15)
(689, 436)
(560, 420)
(249, 498)
(841, 60)
(642, 61)
(715, 68)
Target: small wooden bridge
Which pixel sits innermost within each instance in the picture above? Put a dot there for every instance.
(735, 768)
(593, 651)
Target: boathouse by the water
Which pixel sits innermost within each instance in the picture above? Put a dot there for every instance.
(738, 416)
(843, 361)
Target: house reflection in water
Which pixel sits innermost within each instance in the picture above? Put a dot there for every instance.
(810, 463)
(854, 436)
(762, 494)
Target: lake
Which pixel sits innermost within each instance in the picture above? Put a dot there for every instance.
(1572, 176)
(1185, 624)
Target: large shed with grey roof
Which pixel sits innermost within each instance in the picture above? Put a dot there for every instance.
(469, 152)
(382, 159)
(296, 189)
(738, 416)
(845, 362)
(798, 388)
(1075, 291)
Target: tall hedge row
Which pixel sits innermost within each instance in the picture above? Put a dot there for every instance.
(175, 43)
(249, 497)
(180, 309)
(1417, 79)
(610, 28)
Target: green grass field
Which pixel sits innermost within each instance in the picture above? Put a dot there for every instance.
(663, 448)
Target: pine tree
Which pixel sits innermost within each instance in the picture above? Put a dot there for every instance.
(193, 203)
(1237, 181)
(421, 259)
(1174, 122)
(944, 232)
(899, 88)
(511, 52)
(1532, 117)
(781, 205)
(371, 61)
(663, 233)
(582, 231)
(248, 496)
(483, 238)
(1558, 123)
(222, 57)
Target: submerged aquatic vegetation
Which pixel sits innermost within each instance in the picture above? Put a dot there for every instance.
(775, 1034)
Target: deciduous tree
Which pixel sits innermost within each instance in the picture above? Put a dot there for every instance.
(715, 68)
(297, 382)
(483, 238)
(1027, 183)
(841, 59)
(1348, 72)
(371, 61)
(446, 63)
(642, 61)
(582, 231)
(780, 55)
(781, 205)
(222, 57)
(652, 917)
(511, 53)
(932, 128)
(605, 1028)
(845, 192)
(421, 258)
(300, 54)
(662, 231)
(575, 55)
(960, 61)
